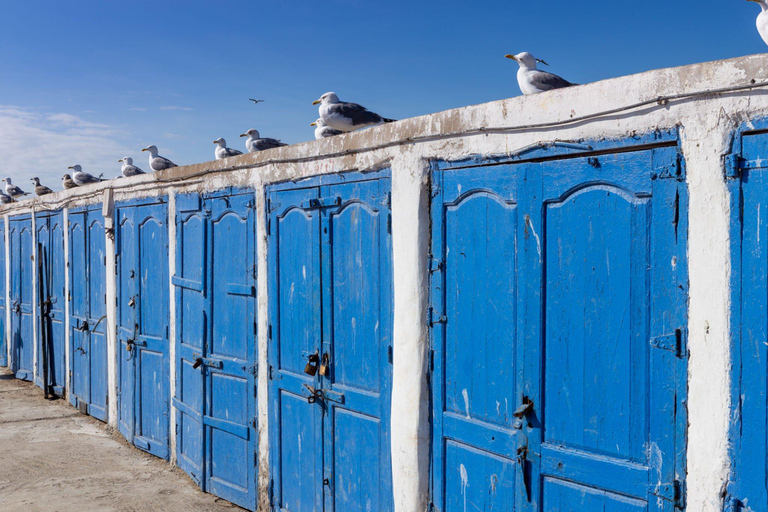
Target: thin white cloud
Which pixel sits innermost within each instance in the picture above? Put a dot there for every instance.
(174, 107)
(35, 143)
(138, 109)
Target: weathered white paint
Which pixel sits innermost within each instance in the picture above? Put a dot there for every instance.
(7, 294)
(706, 123)
(35, 295)
(172, 320)
(108, 211)
(67, 339)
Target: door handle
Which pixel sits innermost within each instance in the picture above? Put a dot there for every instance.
(132, 302)
(198, 362)
(521, 412)
(83, 327)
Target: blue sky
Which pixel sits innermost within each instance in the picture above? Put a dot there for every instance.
(91, 82)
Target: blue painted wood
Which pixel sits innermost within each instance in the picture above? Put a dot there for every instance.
(87, 321)
(50, 239)
(216, 319)
(331, 291)
(561, 273)
(3, 340)
(748, 482)
(143, 310)
(22, 296)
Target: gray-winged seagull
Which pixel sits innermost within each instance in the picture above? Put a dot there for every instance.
(344, 116)
(532, 80)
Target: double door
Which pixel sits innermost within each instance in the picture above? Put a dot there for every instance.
(22, 296)
(142, 319)
(51, 361)
(558, 326)
(215, 398)
(88, 309)
(330, 344)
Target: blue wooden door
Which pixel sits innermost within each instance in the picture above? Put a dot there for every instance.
(748, 482)
(215, 394)
(331, 287)
(50, 312)
(559, 294)
(3, 341)
(22, 295)
(143, 395)
(87, 321)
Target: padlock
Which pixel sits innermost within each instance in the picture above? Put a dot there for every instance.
(311, 367)
(324, 365)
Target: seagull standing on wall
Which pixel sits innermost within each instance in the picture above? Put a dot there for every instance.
(157, 162)
(12, 190)
(222, 151)
(128, 169)
(255, 142)
(346, 117)
(41, 190)
(82, 178)
(532, 80)
(68, 182)
(762, 19)
(323, 131)
(5, 198)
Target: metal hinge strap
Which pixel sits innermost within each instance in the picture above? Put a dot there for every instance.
(674, 342)
(669, 491)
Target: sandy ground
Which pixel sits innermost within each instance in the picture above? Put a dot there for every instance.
(52, 458)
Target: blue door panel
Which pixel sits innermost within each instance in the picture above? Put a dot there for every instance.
(559, 291)
(330, 263)
(143, 310)
(215, 284)
(22, 295)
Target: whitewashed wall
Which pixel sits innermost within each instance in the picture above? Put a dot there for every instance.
(706, 121)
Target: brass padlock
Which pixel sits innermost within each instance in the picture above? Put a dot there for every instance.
(311, 367)
(324, 365)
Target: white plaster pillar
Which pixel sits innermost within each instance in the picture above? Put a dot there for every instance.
(67, 293)
(108, 210)
(172, 319)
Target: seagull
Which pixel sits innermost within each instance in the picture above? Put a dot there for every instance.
(222, 151)
(255, 102)
(82, 178)
(12, 190)
(128, 169)
(41, 190)
(762, 19)
(532, 80)
(5, 198)
(68, 182)
(157, 162)
(323, 131)
(346, 117)
(255, 142)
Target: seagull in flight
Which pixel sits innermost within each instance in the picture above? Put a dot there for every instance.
(532, 80)
(762, 19)
(41, 190)
(255, 102)
(346, 117)
(255, 142)
(157, 162)
(222, 151)
(12, 190)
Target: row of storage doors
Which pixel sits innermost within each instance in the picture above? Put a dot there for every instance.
(557, 326)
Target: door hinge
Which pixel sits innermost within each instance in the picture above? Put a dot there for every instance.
(269, 226)
(255, 324)
(252, 369)
(436, 318)
(435, 265)
(269, 331)
(668, 492)
(733, 166)
(674, 342)
(671, 171)
(271, 373)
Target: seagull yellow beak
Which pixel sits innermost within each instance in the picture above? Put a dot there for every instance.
(215, 142)
(144, 149)
(316, 102)
(120, 160)
(312, 124)
(511, 57)
(70, 167)
(243, 134)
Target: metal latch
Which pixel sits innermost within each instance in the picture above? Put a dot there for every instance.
(674, 342)
(669, 492)
(321, 202)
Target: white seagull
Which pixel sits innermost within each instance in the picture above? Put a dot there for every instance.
(40, 189)
(128, 169)
(222, 151)
(532, 80)
(82, 178)
(346, 117)
(323, 131)
(255, 142)
(12, 190)
(157, 162)
(762, 19)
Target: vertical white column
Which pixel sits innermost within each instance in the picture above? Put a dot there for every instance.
(172, 320)
(67, 294)
(410, 395)
(8, 333)
(262, 301)
(704, 144)
(108, 210)
(35, 297)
